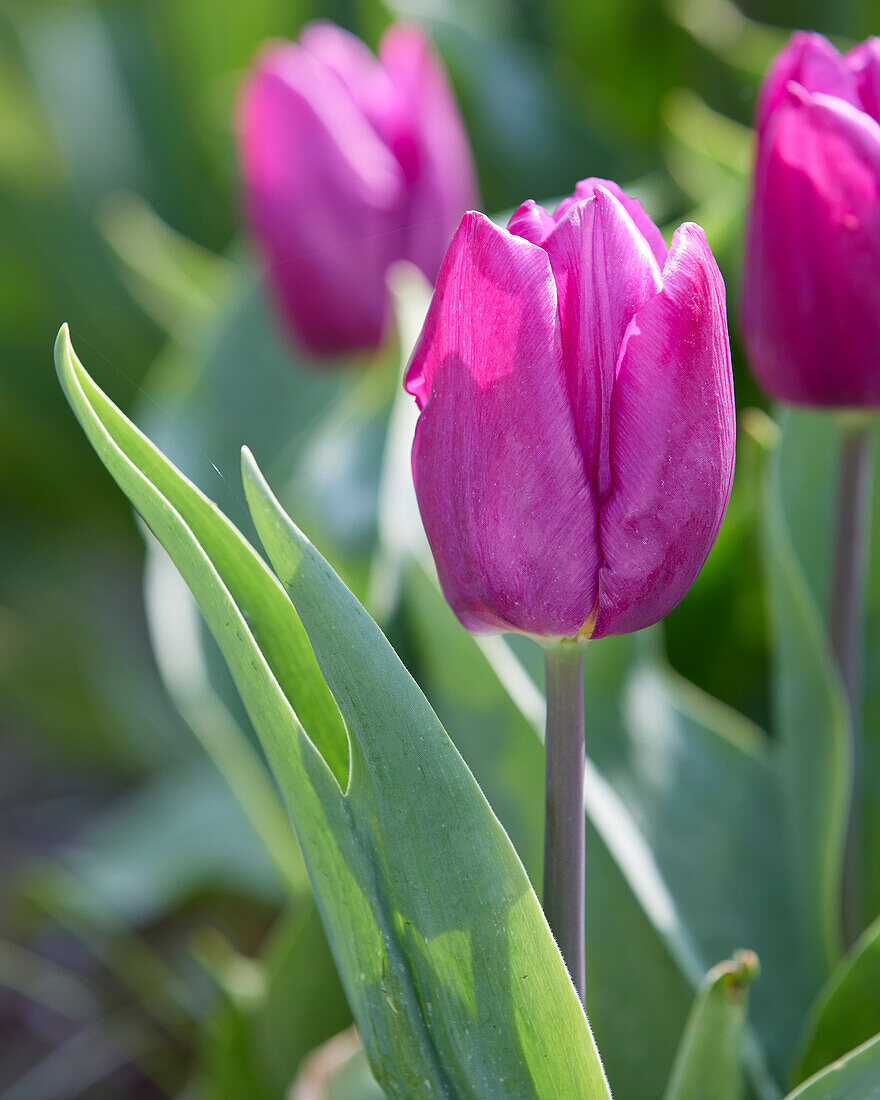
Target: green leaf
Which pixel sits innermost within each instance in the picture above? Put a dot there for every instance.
(847, 1011)
(812, 725)
(175, 632)
(448, 964)
(855, 1077)
(708, 1065)
(277, 1008)
(467, 924)
(807, 468)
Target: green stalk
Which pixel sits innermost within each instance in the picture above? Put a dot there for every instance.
(565, 825)
(846, 627)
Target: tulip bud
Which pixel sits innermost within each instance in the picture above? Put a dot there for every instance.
(350, 162)
(811, 285)
(574, 451)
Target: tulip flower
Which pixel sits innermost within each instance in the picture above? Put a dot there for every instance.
(811, 307)
(574, 452)
(350, 162)
(811, 289)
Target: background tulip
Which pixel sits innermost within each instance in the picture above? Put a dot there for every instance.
(574, 452)
(811, 315)
(811, 294)
(350, 162)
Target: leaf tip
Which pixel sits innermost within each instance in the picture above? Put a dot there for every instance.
(251, 474)
(66, 363)
(63, 347)
(737, 974)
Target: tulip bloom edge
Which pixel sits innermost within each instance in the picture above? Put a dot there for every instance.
(574, 453)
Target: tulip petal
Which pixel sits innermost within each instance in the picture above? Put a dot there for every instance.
(810, 60)
(530, 221)
(672, 443)
(307, 212)
(353, 63)
(811, 306)
(864, 63)
(426, 134)
(504, 497)
(585, 189)
(604, 272)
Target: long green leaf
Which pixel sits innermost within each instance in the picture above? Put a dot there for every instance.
(812, 726)
(447, 961)
(708, 1065)
(808, 461)
(458, 903)
(847, 1011)
(855, 1077)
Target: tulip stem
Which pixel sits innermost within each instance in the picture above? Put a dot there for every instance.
(846, 626)
(565, 826)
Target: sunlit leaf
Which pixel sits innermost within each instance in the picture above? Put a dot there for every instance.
(447, 961)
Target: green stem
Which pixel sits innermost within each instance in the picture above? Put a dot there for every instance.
(846, 626)
(565, 826)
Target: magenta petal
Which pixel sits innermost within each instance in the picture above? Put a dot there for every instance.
(500, 480)
(604, 273)
(588, 187)
(810, 60)
(672, 443)
(426, 133)
(531, 222)
(353, 63)
(811, 302)
(309, 212)
(864, 63)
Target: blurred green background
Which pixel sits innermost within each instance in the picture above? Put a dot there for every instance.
(145, 948)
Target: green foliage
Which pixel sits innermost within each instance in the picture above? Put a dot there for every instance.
(436, 937)
(855, 1077)
(813, 729)
(847, 1011)
(708, 1065)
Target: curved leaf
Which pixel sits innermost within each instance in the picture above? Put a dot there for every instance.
(855, 1077)
(847, 1011)
(708, 1065)
(466, 918)
(450, 969)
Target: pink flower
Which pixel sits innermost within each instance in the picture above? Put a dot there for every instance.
(574, 452)
(350, 162)
(811, 294)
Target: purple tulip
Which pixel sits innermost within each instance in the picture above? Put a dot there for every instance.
(811, 294)
(350, 162)
(574, 452)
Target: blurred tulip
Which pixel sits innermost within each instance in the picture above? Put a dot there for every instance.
(811, 293)
(574, 452)
(350, 162)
